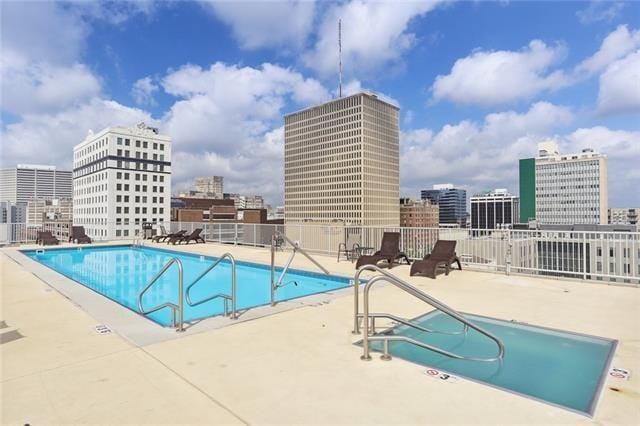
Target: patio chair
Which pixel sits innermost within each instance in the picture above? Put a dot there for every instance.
(389, 251)
(46, 238)
(350, 249)
(173, 237)
(443, 255)
(278, 243)
(161, 235)
(78, 235)
(194, 236)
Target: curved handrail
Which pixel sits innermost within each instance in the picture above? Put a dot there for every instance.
(356, 286)
(226, 297)
(179, 308)
(431, 301)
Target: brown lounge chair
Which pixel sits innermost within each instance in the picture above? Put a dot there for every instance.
(78, 235)
(171, 237)
(163, 235)
(389, 251)
(46, 238)
(443, 255)
(194, 236)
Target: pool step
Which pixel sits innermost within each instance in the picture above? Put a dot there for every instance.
(8, 334)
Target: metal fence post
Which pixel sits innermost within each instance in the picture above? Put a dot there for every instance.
(584, 256)
(509, 253)
(235, 237)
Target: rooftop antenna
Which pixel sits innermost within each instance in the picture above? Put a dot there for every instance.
(340, 56)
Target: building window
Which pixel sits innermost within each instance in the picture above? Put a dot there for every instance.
(119, 141)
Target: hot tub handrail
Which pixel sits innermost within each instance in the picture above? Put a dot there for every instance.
(176, 309)
(401, 284)
(226, 297)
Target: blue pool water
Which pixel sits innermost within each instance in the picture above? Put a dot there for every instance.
(121, 272)
(562, 368)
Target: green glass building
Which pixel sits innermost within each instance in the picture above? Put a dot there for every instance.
(527, 189)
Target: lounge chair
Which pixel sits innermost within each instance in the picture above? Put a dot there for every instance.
(443, 255)
(175, 236)
(350, 249)
(46, 238)
(161, 236)
(389, 251)
(78, 235)
(194, 236)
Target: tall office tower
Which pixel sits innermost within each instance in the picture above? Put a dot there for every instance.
(56, 210)
(341, 162)
(494, 210)
(452, 203)
(121, 178)
(569, 189)
(27, 182)
(210, 185)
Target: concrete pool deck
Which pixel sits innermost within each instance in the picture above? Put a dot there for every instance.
(297, 366)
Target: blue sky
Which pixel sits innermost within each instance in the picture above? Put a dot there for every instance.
(479, 84)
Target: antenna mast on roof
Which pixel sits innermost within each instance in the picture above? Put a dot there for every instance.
(340, 56)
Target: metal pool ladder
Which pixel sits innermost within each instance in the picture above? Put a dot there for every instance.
(408, 288)
(175, 309)
(227, 298)
(296, 248)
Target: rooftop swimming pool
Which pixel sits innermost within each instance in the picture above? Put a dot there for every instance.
(121, 272)
(561, 368)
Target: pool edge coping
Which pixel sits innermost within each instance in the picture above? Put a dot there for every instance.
(138, 329)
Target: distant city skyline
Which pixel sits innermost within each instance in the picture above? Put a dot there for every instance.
(73, 66)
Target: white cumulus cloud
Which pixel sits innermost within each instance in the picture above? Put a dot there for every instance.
(476, 155)
(616, 45)
(499, 77)
(282, 24)
(373, 34)
(620, 86)
(143, 91)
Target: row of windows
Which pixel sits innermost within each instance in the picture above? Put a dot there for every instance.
(138, 176)
(138, 188)
(139, 144)
(332, 107)
(139, 155)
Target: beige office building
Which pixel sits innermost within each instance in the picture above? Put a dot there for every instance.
(341, 163)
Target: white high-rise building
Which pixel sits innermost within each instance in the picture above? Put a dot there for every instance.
(341, 162)
(570, 188)
(121, 179)
(28, 182)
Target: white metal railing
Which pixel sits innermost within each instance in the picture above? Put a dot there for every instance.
(603, 256)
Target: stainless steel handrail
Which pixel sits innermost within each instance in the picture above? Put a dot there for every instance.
(431, 301)
(226, 297)
(179, 308)
(356, 287)
(276, 284)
